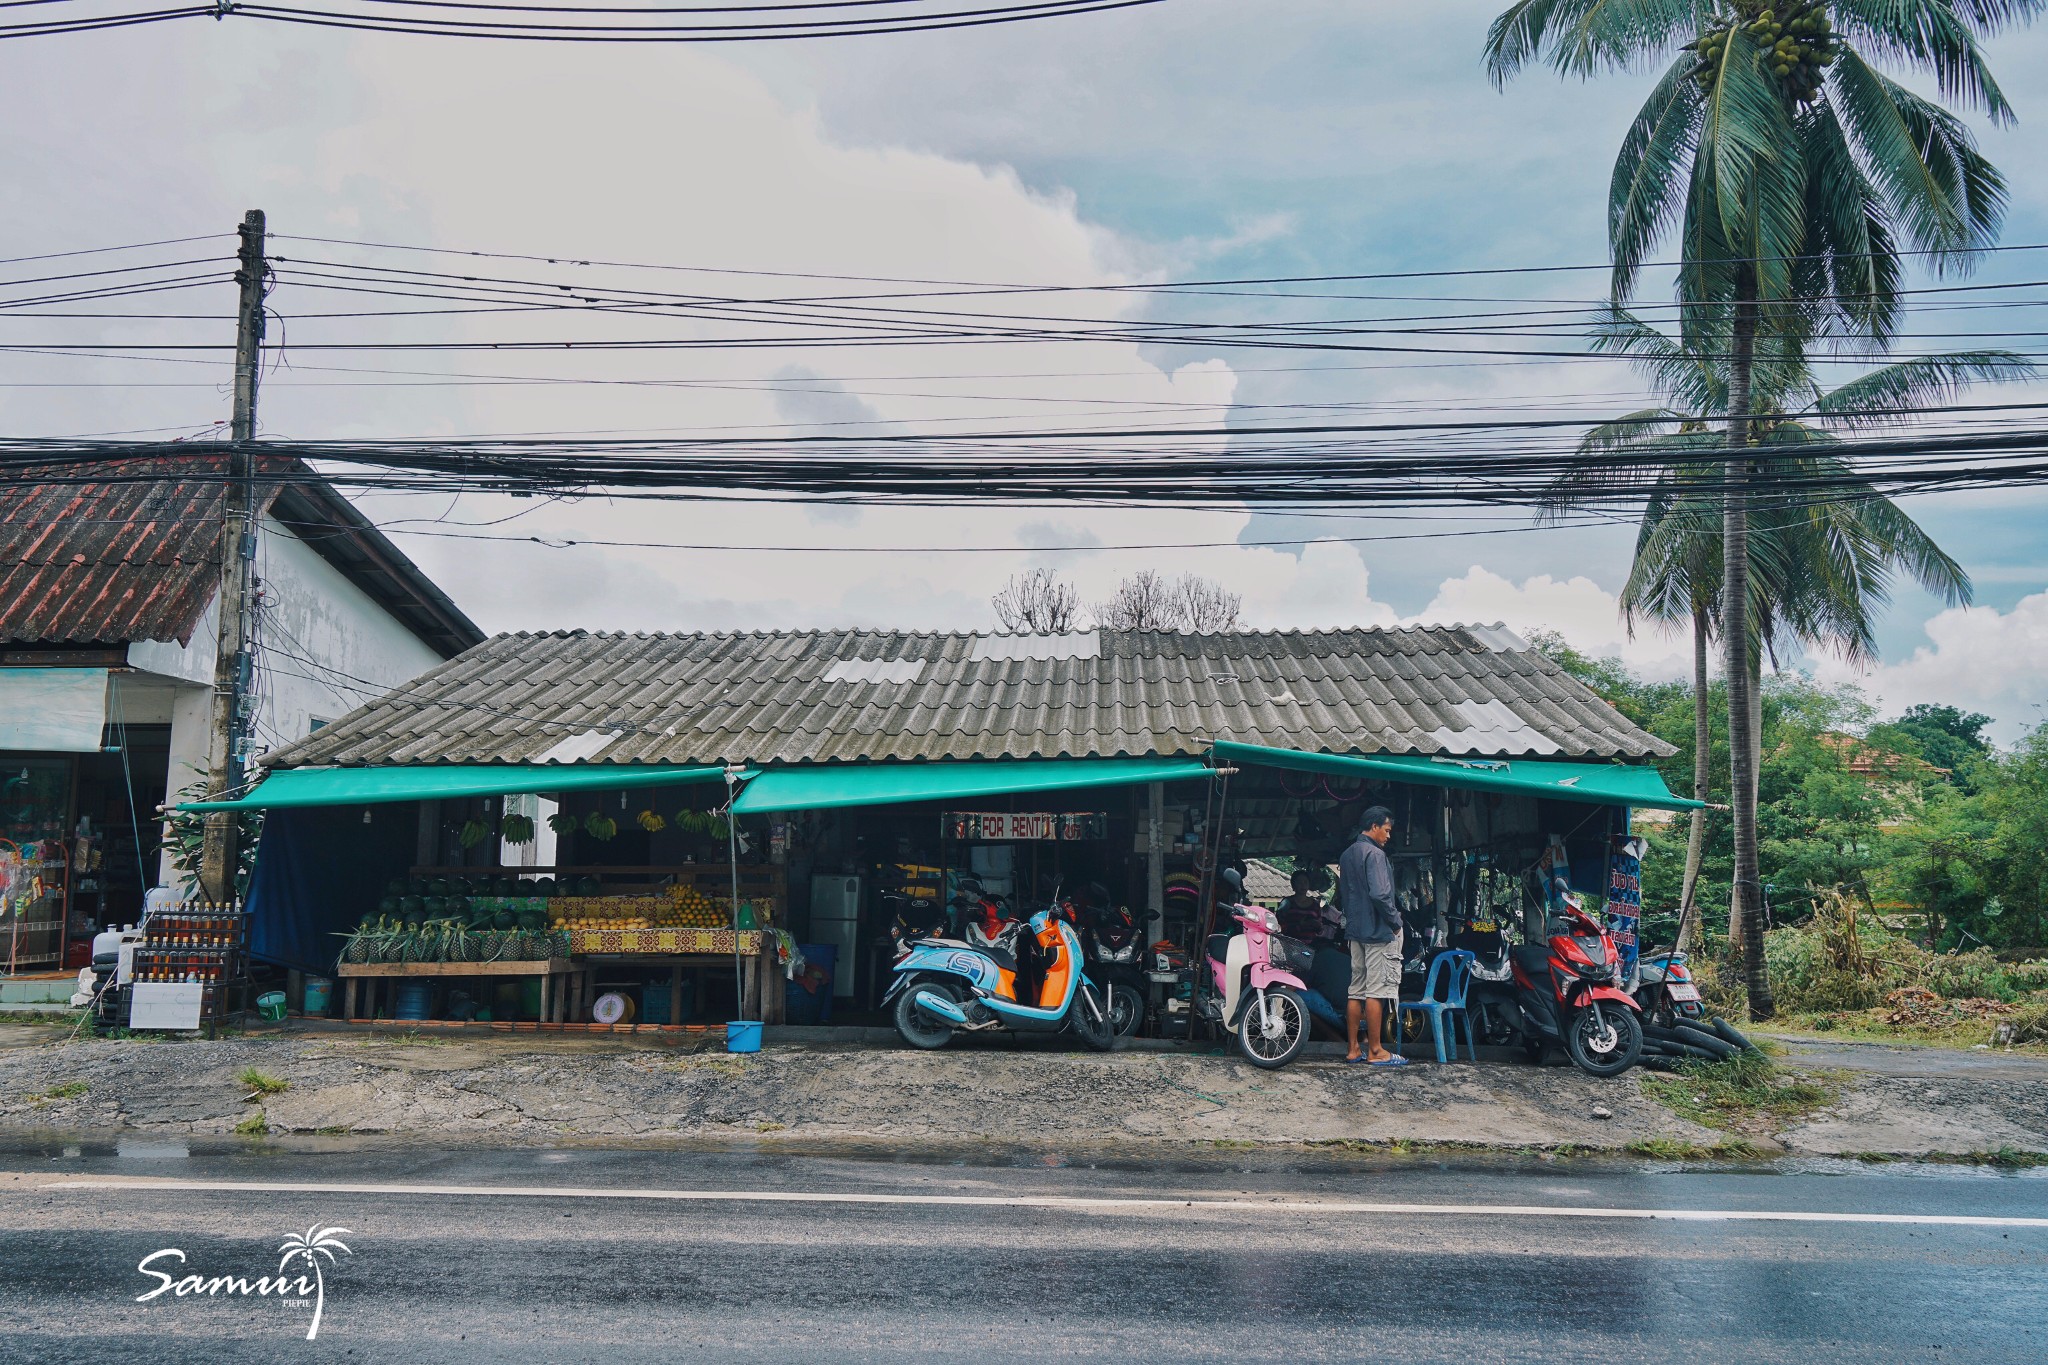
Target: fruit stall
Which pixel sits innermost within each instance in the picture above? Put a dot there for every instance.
(612, 945)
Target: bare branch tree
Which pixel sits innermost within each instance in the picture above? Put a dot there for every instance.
(1205, 607)
(1037, 602)
(1188, 602)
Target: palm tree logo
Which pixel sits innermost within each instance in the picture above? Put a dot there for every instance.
(314, 1243)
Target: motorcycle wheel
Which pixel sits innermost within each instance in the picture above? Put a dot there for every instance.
(1091, 1021)
(1533, 1050)
(1606, 1052)
(1126, 1009)
(1288, 1014)
(916, 1027)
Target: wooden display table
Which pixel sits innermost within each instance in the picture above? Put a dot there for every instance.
(761, 994)
(553, 1003)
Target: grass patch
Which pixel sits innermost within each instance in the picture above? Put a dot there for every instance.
(333, 1130)
(70, 1090)
(412, 1038)
(1677, 1149)
(254, 1126)
(1744, 1092)
(2004, 1158)
(263, 1083)
(769, 1127)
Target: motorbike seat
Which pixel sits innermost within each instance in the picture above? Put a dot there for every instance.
(1218, 946)
(1532, 958)
(1002, 957)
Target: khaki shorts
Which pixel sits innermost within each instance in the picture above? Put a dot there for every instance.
(1376, 969)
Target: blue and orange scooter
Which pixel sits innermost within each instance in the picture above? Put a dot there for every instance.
(946, 986)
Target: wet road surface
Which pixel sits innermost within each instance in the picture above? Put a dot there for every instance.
(572, 1254)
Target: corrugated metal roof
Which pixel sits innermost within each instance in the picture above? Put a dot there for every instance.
(801, 697)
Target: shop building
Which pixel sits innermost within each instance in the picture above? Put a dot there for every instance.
(835, 780)
(107, 663)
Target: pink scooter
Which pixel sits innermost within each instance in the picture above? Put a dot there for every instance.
(1259, 974)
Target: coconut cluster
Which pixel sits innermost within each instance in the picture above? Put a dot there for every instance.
(1798, 42)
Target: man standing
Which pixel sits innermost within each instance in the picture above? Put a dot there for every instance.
(1373, 925)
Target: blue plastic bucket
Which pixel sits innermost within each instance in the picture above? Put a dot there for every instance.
(743, 1035)
(414, 998)
(318, 990)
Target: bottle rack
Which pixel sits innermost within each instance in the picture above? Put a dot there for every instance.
(196, 942)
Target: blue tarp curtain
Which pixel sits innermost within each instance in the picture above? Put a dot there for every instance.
(317, 870)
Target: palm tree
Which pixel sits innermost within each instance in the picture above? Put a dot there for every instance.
(312, 1244)
(1795, 173)
(1821, 571)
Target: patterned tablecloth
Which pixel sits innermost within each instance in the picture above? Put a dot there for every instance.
(662, 941)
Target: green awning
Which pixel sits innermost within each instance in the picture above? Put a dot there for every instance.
(370, 786)
(1606, 784)
(822, 786)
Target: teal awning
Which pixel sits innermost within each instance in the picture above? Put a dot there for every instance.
(370, 786)
(1606, 784)
(822, 786)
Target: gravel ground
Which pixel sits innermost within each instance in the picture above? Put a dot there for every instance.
(527, 1089)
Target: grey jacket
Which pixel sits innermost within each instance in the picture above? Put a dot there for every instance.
(1365, 892)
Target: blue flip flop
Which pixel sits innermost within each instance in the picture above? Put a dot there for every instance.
(1360, 1060)
(1395, 1060)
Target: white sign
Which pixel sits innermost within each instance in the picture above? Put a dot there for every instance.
(166, 1004)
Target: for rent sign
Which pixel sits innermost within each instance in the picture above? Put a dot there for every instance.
(1026, 826)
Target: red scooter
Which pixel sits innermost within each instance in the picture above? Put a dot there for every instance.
(1569, 993)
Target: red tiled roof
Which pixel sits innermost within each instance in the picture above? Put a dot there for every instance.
(84, 562)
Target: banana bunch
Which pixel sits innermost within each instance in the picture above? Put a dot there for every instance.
(1796, 38)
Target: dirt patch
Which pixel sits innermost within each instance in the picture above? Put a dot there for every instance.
(514, 1090)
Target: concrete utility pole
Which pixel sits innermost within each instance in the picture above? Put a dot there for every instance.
(226, 740)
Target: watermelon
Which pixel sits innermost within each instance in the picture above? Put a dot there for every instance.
(412, 907)
(588, 886)
(387, 906)
(395, 887)
(545, 887)
(505, 919)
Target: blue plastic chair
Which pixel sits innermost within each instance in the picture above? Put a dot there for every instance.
(1443, 997)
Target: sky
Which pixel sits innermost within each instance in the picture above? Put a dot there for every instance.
(1192, 139)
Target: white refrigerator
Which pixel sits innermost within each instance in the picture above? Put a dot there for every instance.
(835, 920)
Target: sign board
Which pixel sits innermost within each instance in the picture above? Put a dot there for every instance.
(165, 1004)
(1025, 826)
(1625, 897)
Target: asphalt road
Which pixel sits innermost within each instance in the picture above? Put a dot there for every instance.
(615, 1256)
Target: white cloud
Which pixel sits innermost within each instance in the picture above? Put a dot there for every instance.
(1587, 615)
(1977, 658)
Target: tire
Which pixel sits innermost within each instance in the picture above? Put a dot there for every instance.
(916, 1027)
(1090, 1021)
(1609, 1053)
(1288, 1013)
(1534, 1049)
(1126, 1009)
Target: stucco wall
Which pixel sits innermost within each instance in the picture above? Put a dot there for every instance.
(323, 648)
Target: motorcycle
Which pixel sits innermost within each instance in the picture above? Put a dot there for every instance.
(1665, 991)
(1568, 994)
(1490, 998)
(1114, 941)
(1260, 977)
(947, 986)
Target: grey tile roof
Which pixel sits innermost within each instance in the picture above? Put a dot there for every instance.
(824, 696)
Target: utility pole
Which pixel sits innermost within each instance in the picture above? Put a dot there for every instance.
(227, 736)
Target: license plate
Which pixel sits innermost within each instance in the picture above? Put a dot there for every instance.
(1684, 990)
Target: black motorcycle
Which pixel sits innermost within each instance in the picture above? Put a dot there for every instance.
(1113, 940)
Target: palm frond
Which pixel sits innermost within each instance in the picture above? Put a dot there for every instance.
(1581, 37)
(1746, 140)
(1646, 193)
(1888, 395)
(1938, 37)
(1938, 188)
(1852, 245)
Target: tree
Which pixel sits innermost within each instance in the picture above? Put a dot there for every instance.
(1188, 603)
(1946, 736)
(1794, 172)
(1037, 602)
(1819, 572)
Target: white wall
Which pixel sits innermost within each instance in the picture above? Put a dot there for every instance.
(324, 647)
